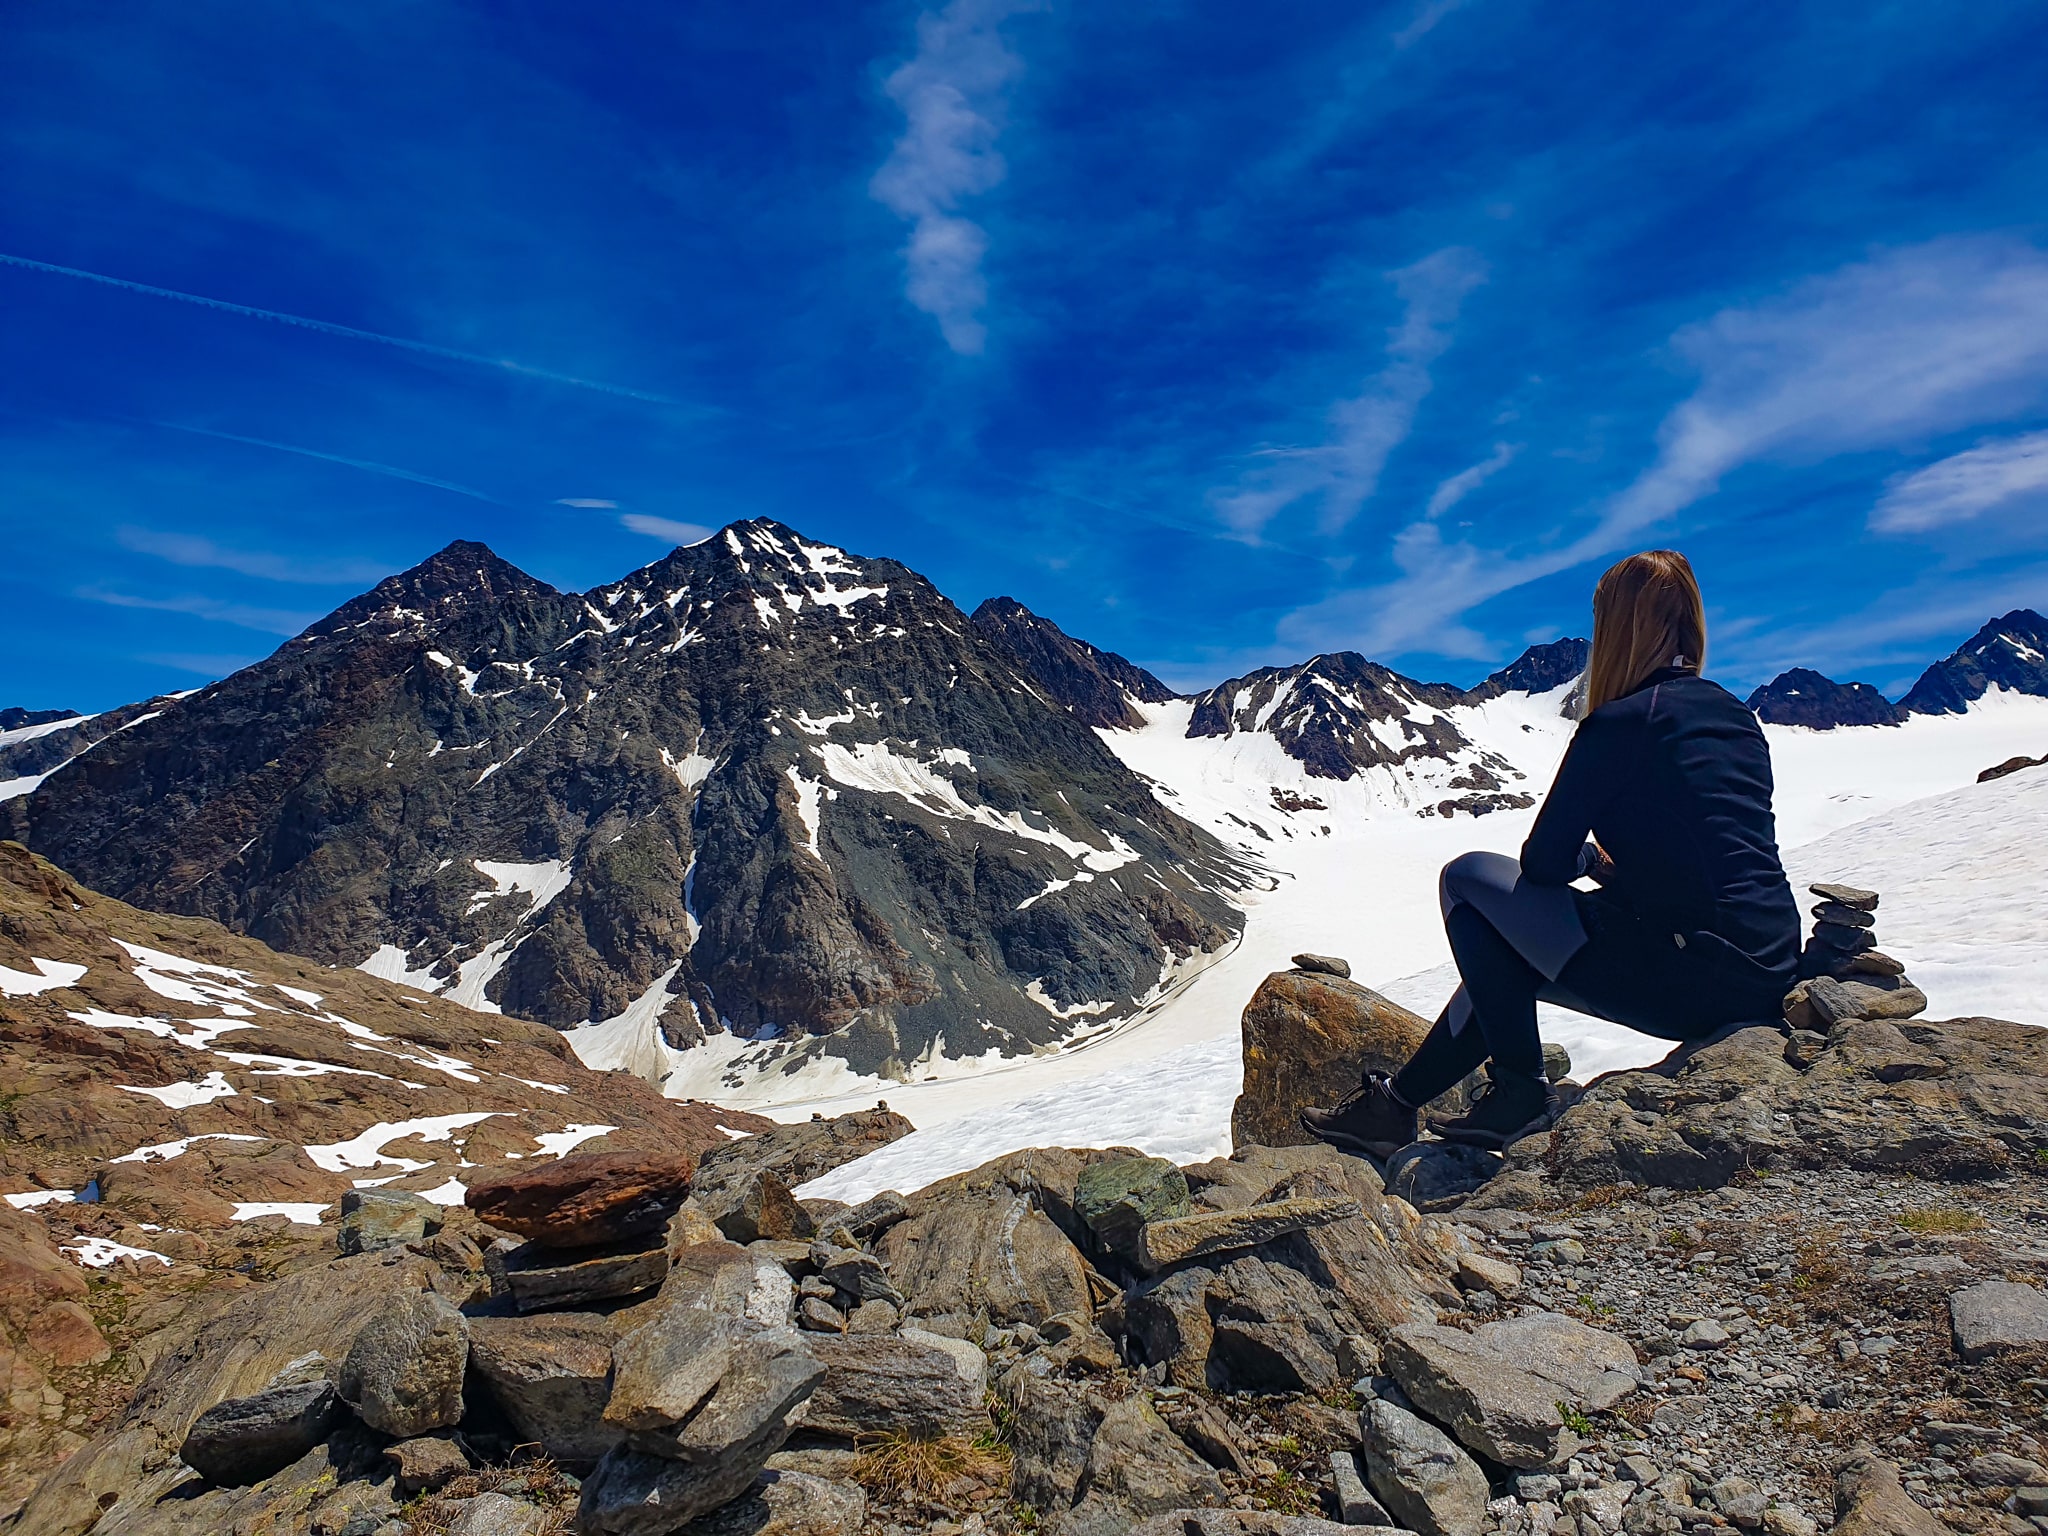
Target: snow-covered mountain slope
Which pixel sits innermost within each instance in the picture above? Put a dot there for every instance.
(2009, 653)
(1803, 696)
(1898, 807)
(763, 792)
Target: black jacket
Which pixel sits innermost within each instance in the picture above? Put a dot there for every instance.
(1674, 780)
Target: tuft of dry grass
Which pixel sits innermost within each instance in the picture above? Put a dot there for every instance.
(1940, 1219)
(900, 1466)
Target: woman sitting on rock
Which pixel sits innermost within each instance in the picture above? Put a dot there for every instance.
(1664, 800)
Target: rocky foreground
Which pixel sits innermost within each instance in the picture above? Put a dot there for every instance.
(1783, 1283)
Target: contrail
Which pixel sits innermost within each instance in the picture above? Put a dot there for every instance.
(328, 327)
(369, 465)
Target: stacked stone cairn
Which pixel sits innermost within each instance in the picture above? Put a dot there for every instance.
(1843, 974)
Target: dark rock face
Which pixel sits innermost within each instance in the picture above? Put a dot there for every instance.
(1096, 687)
(2010, 652)
(44, 740)
(1537, 670)
(245, 1439)
(1804, 697)
(13, 719)
(760, 785)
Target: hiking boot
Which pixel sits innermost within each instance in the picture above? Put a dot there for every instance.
(1368, 1122)
(1508, 1107)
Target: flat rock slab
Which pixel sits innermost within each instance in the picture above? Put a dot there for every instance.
(1997, 1316)
(585, 1198)
(424, 1464)
(1869, 1501)
(541, 1277)
(893, 1383)
(1180, 1238)
(1503, 1389)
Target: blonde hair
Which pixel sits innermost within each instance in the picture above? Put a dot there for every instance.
(1647, 615)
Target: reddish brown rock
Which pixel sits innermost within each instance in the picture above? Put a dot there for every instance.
(1307, 1038)
(577, 1201)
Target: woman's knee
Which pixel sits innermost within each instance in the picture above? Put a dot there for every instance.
(1477, 870)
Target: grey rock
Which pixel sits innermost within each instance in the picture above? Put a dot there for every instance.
(384, 1218)
(1355, 1506)
(246, 1439)
(751, 1204)
(1740, 1500)
(1117, 1196)
(551, 1373)
(748, 1415)
(1327, 965)
(1677, 1415)
(1599, 1507)
(540, 1278)
(856, 1273)
(1999, 1470)
(1482, 1272)
(1422, 1476)
(1486, 1399)
(1843, 916)
(424, 1464)
(988, 1246)
(1846, 895)
(1137, 1467)
(875, 1316)
(817, 1315)
(1427, 1171)
(403, 1374)
(1638, 1469)
(1175, 1240)
(876, 1215)
(665, 1368)
(788, 1504)
(1236, 1522)
(1052, 1425)
(1997, 1316)
(494, 1514)
(1271, 1329)
(1212, 1437)
(1704, 1333)
(1832, 1001)
(1557, 1061)
(893, 1383)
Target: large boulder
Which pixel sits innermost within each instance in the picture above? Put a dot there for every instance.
(915, 1384)
(246, 1439)
(552, 1375)
(585, 1198)
(788, 1504)
(1117, 1196)
(1962, 1099)
(1308, 1036)
(403, 1374)
(1997, 1316)
(1422, 1476)
(1506, 1387)
(372, 1219)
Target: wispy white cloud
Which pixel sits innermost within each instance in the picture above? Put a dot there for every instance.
(275, 621)
(664, 528)
(189, 550)
(1466, 481)
(586, 502)
(1427, 15)
(1882, 353)
(1341, 472)
(952, 96)
(1965, 485)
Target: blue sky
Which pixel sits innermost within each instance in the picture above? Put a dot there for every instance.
(1220, 336)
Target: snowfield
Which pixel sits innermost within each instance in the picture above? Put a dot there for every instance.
(1349, 868)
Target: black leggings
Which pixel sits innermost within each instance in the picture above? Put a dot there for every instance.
(1517, 944)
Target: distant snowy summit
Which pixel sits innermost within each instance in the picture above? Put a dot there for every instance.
(2009, 653)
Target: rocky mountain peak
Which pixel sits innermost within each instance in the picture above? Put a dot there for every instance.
(2010, 652)
(464, 577)
(1095, 686)
(1805, 697)
(1539, 669)
(17, 718)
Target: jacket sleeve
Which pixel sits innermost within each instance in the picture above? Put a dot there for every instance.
(1556, 851)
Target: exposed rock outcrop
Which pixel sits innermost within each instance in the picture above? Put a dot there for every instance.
(1309, 1036)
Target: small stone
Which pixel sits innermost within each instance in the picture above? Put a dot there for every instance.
(1534, 1487)
(1843, 916)
(424, 1464)
(1831, 1002)
(854, 1272)
(876, 1214)
(1327, 965)
(1355, 1506)
(1479, 1272)
(1420, 1474)
(1788, 1520)
(1998, 1316)
(1848, 895)
(875, 1316)
(1874, 962)
(1557, 1061)
(585, 1198)
(788, 1503)
(1560, 1250)
(1704, 1334)
(910, 1383)
(1869, 1501)
(403, 1374)
(1639, 1469)
(756, 1205)
(1741, 1501)
(817, 1315)
(495, 1514)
